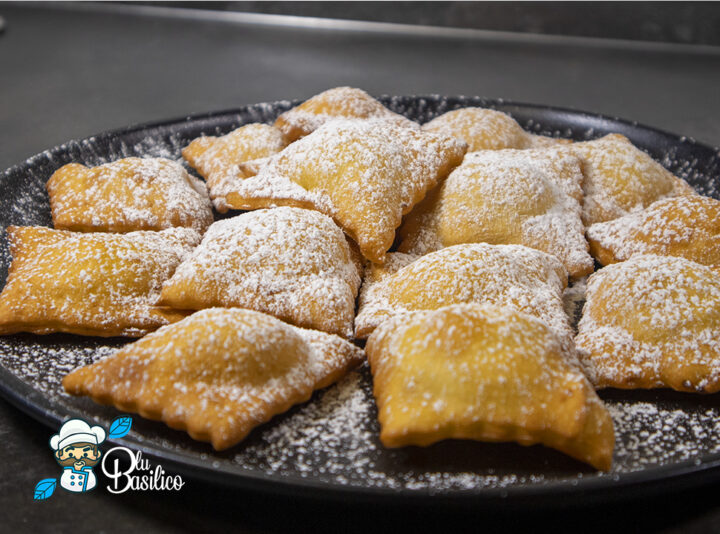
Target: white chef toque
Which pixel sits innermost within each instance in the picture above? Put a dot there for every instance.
(77, 431)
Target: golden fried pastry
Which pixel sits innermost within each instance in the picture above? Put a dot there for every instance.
(527, 197)
(127, 195)
(486, 129)
(292, 263)
(337, 103)
(685, 226)
(505, 275)
(652, 322)
(486, 373)
(543, 141)
(95, 284)
(620, 179)
(210, 155)
(365, 174)
(252, 167)
(233, 156)
(218, 373)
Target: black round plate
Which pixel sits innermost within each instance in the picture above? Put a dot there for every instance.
(328, 447)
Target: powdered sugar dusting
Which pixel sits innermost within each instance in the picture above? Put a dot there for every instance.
(220, 160)
(333, 438)
(292, 263)
(654, 433)
(128, 194)
(301, 443)
(620, 179)
(653, 321)
(481, 129)
(219, 156)
(91, 283)
(530, 197)
(685, 226)
(364, 173)
(506, 275)
(219, 372)
(449, 372)
(655, 428)
(44, 362)
(336, 103)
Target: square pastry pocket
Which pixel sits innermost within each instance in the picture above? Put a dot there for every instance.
(486, 129)
(127, 195)
(504, 275)
(223, 160)
(526, 197)
(484, 373)
(218, 373)
(685, 226)
(336, 103)
(653, 322)
(95, 284)
(365, 174)
(292, 263)
(620, 178)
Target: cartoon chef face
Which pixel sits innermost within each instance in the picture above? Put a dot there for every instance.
(78, 455)
(76, 445)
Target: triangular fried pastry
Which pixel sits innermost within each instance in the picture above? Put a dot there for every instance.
(653, 322)
(292, 263)
(685, 226)
(527, 197)
(487, 129)
(365, 174)
(505, 275)
(94, 284)
(225, 159)
(337, 103)
(620, 178)
(218, 373)
(127, 195)
(486, 373)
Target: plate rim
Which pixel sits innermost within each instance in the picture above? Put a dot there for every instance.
(493, 103)
(618, 486)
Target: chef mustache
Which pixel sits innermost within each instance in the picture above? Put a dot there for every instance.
(70, 461)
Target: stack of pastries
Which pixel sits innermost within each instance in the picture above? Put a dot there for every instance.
(447, 246)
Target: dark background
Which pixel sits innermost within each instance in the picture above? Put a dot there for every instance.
(674, 22)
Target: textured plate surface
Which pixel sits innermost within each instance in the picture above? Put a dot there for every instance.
(328, 447)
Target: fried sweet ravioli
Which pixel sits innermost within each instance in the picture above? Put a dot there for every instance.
(527, 197)
(684, 226)
(652, 322)
(95, 284)
(127, 195)
(218, 373)
(337, 103)
(505, 275)
(365, 174)
(486, 129)
(486, 373)
(620, 178)
(292, 263)
(230, 157)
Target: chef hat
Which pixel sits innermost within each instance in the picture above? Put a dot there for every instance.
(77, 431)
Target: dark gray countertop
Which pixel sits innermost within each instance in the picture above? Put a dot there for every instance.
(72, 71)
